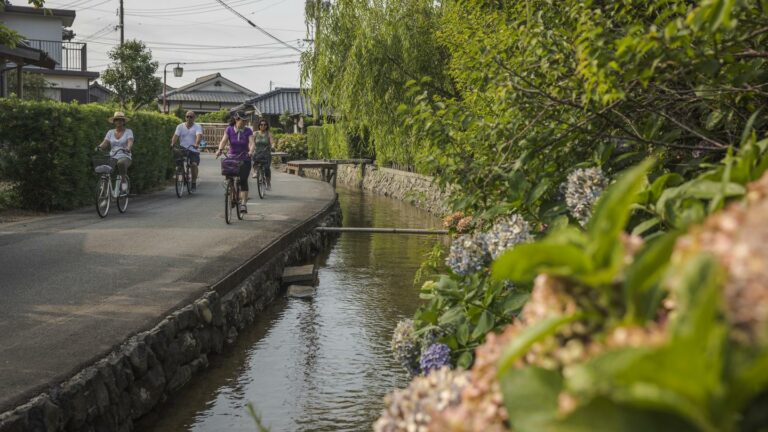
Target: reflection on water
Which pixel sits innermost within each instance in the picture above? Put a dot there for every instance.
(322, 364)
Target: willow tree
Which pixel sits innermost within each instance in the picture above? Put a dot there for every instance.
(364, 53)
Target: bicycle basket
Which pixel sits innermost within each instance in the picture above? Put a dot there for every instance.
(230, 167)
(103, 164)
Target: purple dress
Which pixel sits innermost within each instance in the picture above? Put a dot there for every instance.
(238, 143)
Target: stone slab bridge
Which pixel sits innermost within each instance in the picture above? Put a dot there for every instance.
(102, 319)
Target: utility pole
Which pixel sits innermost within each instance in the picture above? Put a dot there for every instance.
(122, 24)
(270, 85)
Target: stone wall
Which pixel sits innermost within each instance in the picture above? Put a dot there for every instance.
(416, 189)
(145, 370)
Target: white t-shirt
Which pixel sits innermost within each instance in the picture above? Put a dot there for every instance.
(118, 145)
(187, 135)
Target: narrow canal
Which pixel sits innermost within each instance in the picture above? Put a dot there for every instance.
(322, 364)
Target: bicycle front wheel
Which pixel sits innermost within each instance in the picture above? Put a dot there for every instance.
(188, 180)
(228, 202)
(102, 196)
(261, 183)
(179, 182)
(238, 203)
(122, 197)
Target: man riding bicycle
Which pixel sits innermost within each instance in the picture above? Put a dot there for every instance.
(189, 135)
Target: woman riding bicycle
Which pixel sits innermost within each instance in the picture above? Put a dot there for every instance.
(241, 146)
(263, 151)
(120, 142)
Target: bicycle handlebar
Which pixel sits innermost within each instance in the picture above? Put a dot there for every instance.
(99, 149)
(235, 156)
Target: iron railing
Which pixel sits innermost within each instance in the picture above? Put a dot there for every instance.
(69, 56)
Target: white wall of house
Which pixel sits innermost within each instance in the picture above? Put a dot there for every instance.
(69, 82)
(36, 27)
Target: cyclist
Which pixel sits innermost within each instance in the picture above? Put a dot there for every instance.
(189, 134)
(263, 150)
(120, 142)
(241, 146)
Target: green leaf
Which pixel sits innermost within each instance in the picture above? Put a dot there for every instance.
(530, 396)
(538, 191)
(746, 133)
(644, 226)
(515, 302)
(524, 262)
(646, 271)
(611, 215)
(750, 379)
(465, 360)
(484, 325)
(462, 333)
(708, 189)
(603, 415)
(529, 336)
(452, 316)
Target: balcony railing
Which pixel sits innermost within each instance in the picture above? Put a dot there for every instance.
(69, 56)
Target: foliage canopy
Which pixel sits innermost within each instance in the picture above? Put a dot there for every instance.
(132, 74)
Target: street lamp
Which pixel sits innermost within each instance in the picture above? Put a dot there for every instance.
(177, 72)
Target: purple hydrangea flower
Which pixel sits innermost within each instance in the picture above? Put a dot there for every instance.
(434, 357)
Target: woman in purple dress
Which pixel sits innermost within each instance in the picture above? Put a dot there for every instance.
(241, 147)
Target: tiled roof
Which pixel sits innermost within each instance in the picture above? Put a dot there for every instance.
(208, 96)
(201, 81)
(281, 100)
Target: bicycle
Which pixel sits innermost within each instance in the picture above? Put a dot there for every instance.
(230, 169)
(183, 171)
(261, 179)
(104, 165)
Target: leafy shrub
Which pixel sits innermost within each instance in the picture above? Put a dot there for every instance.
(220, 116)
(293, 144)
(47, 148)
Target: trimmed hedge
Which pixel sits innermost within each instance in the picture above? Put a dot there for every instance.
(46, 149)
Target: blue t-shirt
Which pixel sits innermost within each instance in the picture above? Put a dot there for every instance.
(238, 142)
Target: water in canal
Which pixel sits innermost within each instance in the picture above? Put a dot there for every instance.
(322, 364)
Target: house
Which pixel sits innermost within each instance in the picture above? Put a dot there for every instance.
(274, 104)
(206, 94)
(45, 30)
(99, 93)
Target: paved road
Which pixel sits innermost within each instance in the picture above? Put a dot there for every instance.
(73, 286)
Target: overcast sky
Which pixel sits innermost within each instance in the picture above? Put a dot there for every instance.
(200, 32)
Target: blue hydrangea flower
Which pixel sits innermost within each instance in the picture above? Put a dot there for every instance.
(506, 233)
(581, 190)
(405, 347)
(434, 357)
(468, 254)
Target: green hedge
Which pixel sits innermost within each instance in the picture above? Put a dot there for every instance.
(46, 149)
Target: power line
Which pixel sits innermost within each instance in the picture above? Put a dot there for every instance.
(243, 67)
(255, 26)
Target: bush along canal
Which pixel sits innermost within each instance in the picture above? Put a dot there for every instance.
(322, 364)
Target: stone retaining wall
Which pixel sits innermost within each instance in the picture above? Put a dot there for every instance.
(144, 371)
(416, 189)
